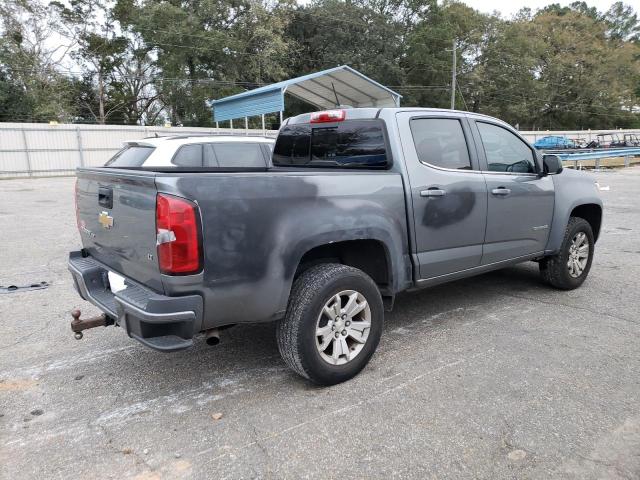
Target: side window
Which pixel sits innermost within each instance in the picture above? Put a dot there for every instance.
(505, 152)
(440, 142)
(188, 156)
(210, 159)
(239, 155)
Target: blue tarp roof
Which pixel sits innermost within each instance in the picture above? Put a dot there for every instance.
(352, 88)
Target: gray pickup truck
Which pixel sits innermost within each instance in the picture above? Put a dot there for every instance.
(357, 205)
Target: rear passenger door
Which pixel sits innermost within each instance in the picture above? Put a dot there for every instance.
(448, 191)
(520, 201)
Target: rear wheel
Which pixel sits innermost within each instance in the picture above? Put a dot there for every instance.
(333, 323)
(569, 268)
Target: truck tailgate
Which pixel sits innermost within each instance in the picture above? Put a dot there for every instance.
(117, 221)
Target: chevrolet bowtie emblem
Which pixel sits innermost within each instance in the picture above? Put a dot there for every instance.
(105, 220)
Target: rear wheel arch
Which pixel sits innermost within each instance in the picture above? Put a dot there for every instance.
(371, 256)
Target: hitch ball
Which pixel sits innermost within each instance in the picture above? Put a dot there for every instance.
(78, 324)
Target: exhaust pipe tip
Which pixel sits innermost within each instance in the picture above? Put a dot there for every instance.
(213, 337)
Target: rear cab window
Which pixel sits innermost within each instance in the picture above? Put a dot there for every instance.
(347, 144)
(130, 156)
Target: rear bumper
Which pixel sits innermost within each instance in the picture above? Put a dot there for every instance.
(157, 321)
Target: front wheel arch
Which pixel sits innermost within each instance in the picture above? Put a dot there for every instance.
(592, 213)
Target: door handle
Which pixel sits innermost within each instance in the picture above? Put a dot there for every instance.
(501, 191)
(432, 192)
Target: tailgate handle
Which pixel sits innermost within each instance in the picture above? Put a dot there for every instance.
(105, 197)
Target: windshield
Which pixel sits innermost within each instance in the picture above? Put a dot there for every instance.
(130, 156)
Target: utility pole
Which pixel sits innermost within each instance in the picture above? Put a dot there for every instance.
(453, 77)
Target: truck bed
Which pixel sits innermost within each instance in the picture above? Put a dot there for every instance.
(256, 226)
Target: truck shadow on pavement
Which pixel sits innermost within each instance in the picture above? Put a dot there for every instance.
(249, 353)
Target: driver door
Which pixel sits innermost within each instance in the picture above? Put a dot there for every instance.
(519, 201)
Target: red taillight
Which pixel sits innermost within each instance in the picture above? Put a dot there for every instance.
(328, 116)
(178, 235)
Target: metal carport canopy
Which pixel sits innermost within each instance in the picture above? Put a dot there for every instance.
(352, 88)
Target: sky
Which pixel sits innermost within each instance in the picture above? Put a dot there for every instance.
(508, 7)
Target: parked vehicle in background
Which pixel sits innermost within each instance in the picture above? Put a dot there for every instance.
(360, 204)
(579, 142)
(195, 151)
(609, 140)
(631, 140)
(554, 142)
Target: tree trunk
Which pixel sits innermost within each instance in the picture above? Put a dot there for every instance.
(101, 118)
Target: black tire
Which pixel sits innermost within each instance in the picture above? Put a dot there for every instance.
(554, 269)
(296, 333)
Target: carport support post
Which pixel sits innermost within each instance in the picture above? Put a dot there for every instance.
(231, 123)
(280, 117)
(264, 130)
(246, 126)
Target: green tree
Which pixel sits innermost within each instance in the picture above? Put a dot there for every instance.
(428, 60)
(622, 22)
(31, 85)
(365, 36)
(99, 49)
(205, 49)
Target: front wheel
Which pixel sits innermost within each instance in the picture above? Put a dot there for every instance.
(333, 323)
(570, 267)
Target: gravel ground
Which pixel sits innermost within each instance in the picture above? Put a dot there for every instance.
(492, 377)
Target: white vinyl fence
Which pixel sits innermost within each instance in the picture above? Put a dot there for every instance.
(37, 149)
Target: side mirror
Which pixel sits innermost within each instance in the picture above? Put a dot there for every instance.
(552, 164)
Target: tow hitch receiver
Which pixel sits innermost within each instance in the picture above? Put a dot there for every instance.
(78, 325)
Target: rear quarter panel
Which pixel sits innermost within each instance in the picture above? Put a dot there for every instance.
(257, 227)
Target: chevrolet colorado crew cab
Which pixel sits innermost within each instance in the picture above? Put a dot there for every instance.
(355, 206)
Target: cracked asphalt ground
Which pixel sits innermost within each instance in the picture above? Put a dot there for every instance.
(492, 377)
